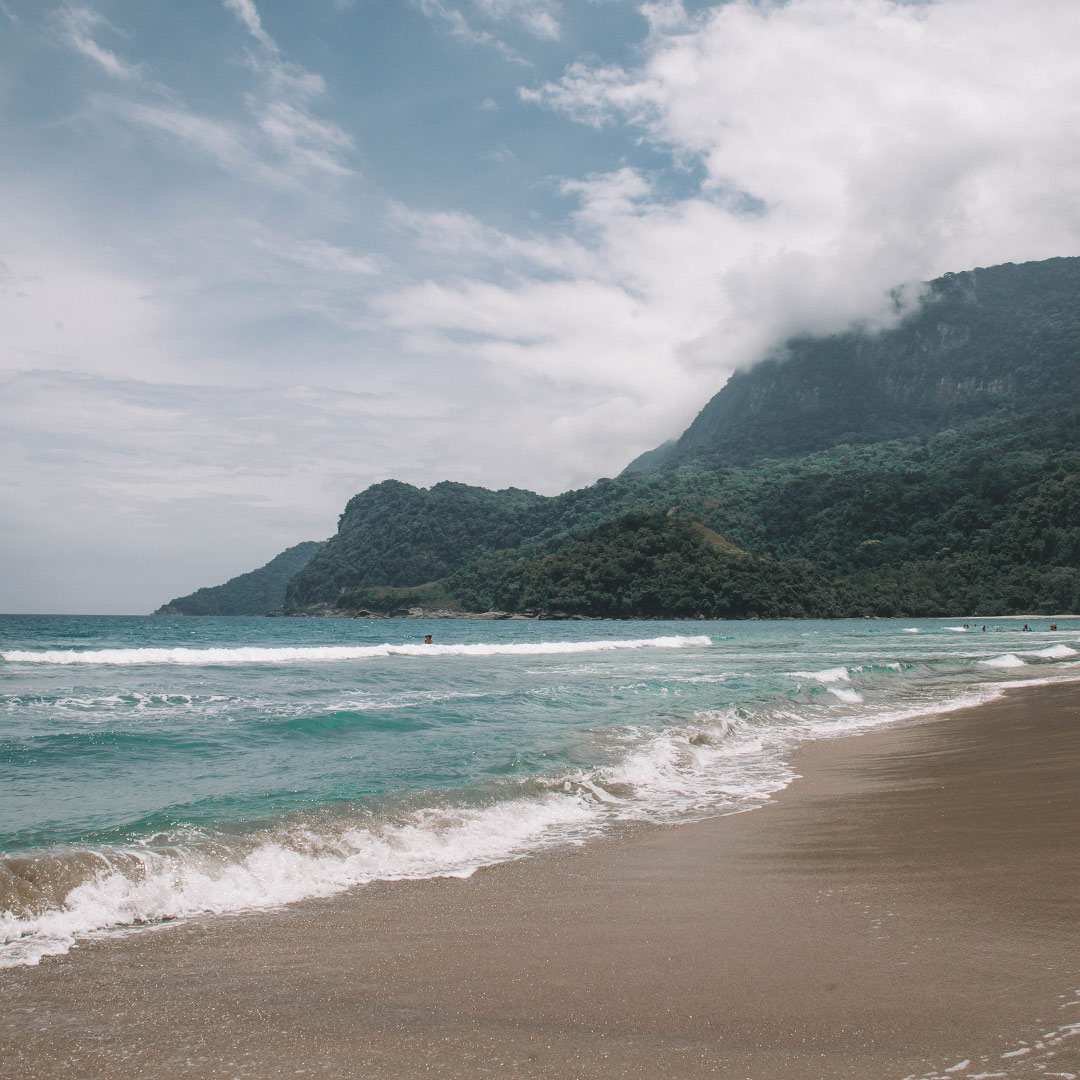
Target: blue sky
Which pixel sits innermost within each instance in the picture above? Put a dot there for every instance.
(256, 255)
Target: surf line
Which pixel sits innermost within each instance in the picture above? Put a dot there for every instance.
(260, 655)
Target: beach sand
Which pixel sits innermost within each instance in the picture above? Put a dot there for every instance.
(908, 907)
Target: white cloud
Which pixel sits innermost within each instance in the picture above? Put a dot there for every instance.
(539, 17)
(285, 146)
(65, 309)
(843, 147)
(461, 29)
(319, 255)
(77, 27)
(917, 129)
(462, 235)
(223, 142)
(595, 95)
(248, 14)
(309, 144)
(312, 145)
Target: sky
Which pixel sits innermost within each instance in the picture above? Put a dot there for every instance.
(256, 255)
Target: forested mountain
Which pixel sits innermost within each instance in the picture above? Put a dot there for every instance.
(984, 519)
(396, 534)
(998, 342)
(933, 468)
(646, 565)
(254, 593)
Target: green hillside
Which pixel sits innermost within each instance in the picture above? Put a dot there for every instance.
(646, 565)
(394, 534)
(932, 468)
(990, 343)
(985, 519)
(254, 593)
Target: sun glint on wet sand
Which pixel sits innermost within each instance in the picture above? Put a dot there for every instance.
(909, 908)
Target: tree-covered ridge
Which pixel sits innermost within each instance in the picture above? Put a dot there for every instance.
(929, 469)
(399, 536)
(997, 342)
(647, 565)
(394, 534)
(985, 519)
(254, 593)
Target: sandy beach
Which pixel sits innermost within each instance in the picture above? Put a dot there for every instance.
(907, 908)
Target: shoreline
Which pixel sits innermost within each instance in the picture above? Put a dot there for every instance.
(325, 611)
(908, 904)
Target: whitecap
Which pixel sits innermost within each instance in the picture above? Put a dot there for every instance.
(829, 675)
(852, 697)
(137, 886)
(1055, 652)
(255, 655)
(1008, 660)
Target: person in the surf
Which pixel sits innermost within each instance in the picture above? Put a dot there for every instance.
(428, 640)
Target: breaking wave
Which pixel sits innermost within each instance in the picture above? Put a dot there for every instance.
(260, 655)
(829, 675)
(1055, 652)
(726, 760)
(51, 898)
(1009, 660)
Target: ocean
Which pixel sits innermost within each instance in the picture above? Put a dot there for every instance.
(156, 769)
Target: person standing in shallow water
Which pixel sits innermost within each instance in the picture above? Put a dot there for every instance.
(428, 640)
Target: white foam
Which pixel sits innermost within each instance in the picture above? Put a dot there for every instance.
(829, 675)
(1049, 680)
(664, 776)
(295, 864)
(725, 762)
(1055, 652)
(1009, 660)
(255, 655)
(912, 630)
(852, 697)
(958, 629)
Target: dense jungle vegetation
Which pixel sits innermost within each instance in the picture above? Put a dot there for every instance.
(986, 519)
(254, 593)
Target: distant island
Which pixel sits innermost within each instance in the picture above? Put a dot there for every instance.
(929, 469)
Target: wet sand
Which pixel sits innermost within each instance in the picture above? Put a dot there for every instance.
(910, 907)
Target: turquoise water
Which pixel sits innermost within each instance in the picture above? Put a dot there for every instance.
(156, 768)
